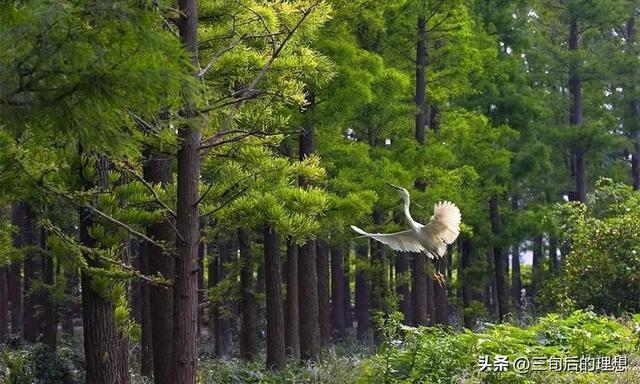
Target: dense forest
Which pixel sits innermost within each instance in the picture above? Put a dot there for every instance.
(178, 181)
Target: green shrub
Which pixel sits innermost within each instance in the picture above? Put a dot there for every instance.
(34, 364)
(436, 355)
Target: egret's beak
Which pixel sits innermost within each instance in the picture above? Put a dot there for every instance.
(391, 185)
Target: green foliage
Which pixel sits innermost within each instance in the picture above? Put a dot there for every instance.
(35, 365)
(436, 355)
(605, 250)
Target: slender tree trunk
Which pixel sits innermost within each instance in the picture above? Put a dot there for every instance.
(465, 279)
(419, 290)
(4, 305)
(49, 316)
(537, 262)
(249, 328)
(575, 113)
(217, 274)
(23, 218)
(498, 262)
(292, 331)
(324, 304)
(441, 302)
(337, 293)
(103, 360)
(202, 251)
(308, 302)
(185, 305)
(157, 169)
(146, 343)
(70, 310)
(348, 314)
(308, 306)
(553, 253)
(402, 286)
(363, 293)
(421, 86)
(276, 355)
(14, 289)
(634, 106)
(516, 280)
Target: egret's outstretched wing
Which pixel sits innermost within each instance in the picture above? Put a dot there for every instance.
(404, 241)
(444, 226)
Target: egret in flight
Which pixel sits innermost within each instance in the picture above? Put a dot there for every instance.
(432, 238)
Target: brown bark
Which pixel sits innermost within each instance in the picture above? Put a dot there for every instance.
(202, 250)
(4, 305)
(220, 320)
(249, 327)
(14, 290)
(402, 286)
(634, 106)
(308, 305)
(348, 314)
(498, 260)
(292, 330)
(363, 293)
(276, 355)
(421, 88)
(185, 304)
(537, 262)
(308, 302)
(441, 302)
(575, 113)
(157, 169)
(23, 219)
(465, 262)
(104, 361)
(141, 300)
(49, 315)
(419, 292)
(337, 293)
(324, 304)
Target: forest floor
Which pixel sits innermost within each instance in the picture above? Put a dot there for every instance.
(589, 348)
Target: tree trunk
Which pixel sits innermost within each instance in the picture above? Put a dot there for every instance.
(634, 106)
(102, 345)
(465, 281)
(440, 289)
(219, 309)
(292, 331)
(24, 220)
(70, 310)
(249, 328)
(308, 304)
(276, 355)
(402, 286)
(536, 278)
(421, 87)
(575, 113)
(324, 304)
(516, 280)
(146, 342)
(14, 289)
(498, 259)
(553, 253)
(4, 305)
(49, 316)
(419, 290)
(202, 250)
(348, 314)
(185, 305)
(337, 293)
(363, 293)
(157, 169)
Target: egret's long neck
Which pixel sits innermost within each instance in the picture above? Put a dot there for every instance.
(407, 213)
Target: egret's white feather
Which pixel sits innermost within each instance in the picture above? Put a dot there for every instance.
(442, 229)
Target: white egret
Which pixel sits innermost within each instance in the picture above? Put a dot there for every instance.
(432, 238)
